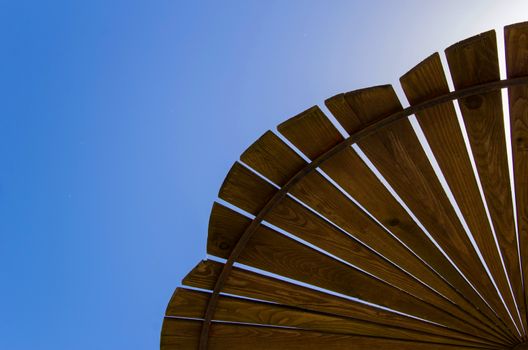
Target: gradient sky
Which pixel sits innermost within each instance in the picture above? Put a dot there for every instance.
(120, 119)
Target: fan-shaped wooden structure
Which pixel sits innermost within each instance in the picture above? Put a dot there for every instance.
(361, 241)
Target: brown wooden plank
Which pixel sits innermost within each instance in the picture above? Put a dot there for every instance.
(331, 203)
(349, 171)
(249, 284)
(295, 219)
(256, 191)
(268, 250)
(299, 221)
(352, 174)
(516, 43)
(475, 61)
(365, 102)
(244, 189)
(188, 303)
(306, 130)
(180, 334)
(397, 154)
(440, 126)
(271, 157)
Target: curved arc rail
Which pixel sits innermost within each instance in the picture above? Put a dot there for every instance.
(354, 138)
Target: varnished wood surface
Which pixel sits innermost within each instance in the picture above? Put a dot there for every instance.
(249, 284)
(349, 171)
(441, 128)
(182, 334)
(191, 304)
(347, 246)
(316, 191)
(271, 157)
(516, 45)
(474, 61)
(397, 154)
(522, 346)
(268, 250)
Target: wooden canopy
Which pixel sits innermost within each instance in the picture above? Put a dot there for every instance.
(322, 251)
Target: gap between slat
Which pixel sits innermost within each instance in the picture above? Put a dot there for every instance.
(318, 249)
(335, 225)
(301, 241)
(330, 255)
(372, 249)
(380, 177)
(351, 198)
(330, 292)
(432, 160)
(394, 194)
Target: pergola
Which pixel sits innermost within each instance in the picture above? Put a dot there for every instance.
(401, 233)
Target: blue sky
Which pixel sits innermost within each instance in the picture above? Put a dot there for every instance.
(120, 119)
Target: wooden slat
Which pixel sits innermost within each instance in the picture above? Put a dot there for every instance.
(364, 102)
(294, 218)
(331, 203)
(252, 285)
(516, 43)
(383, 271)
(348, 170)
(351, 173)
(257, 192)
(305, 129)
(271, 157)
(471, 62)
(271, 251)
(191, 304)
(299, 221)
(397, 154)
(440, 126)
(243, 189)
(181, 334)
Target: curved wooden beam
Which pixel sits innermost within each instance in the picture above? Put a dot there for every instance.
(354, 138)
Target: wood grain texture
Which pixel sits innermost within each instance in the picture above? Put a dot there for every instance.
(516, 44)
(271, 251)
(326, 199)
(180, 334)
(349, 171)
(270, 156)
(397, 154)
(296, 219)
(191, 304)
(441, 128)
(369, 247)
(246, 190)
(252, 285)
(299, 221)
(301, 128)
(474, 61)
(365, 107)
